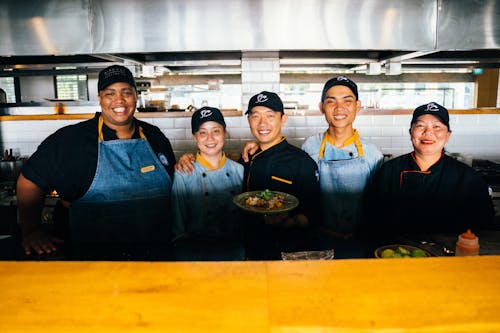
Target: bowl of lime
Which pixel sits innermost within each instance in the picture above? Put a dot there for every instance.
(400, 251)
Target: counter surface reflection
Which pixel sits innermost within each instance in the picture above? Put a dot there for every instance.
(437, 294)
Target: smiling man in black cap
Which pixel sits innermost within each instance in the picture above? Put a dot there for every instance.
(280, 166)
(426, 191)
(346, 164)
(113, 173)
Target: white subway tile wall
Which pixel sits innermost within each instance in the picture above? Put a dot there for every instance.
(258, 74)
(477, 136)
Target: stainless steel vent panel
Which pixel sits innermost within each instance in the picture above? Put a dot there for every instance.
(55, 27)
(469, 24)
(199, 25)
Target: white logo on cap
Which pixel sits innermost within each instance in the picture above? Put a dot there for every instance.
(432, 107)
(342, 78)
(261, 98)
(205, 113)
(114, 71)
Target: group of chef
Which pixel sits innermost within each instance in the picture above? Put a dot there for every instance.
(123, 197)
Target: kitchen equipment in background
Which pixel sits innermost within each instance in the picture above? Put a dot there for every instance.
(177, 108)
(290, 105)
(9, 170)
(308, 255)
(294, 107)
(464, 158)
(8, 207)
(490, 172)
(214, 84)
(155, 99)
(11, 154)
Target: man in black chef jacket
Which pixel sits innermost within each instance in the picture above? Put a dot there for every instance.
(279, 166)
(114, 175)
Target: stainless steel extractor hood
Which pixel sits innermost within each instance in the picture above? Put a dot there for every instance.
(171, 33)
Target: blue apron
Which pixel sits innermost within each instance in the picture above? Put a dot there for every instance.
(342, 180)
(129, 198)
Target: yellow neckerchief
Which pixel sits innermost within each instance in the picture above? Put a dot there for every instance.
(101, 136)
(200, 159)
(353, 139)
(281, 140)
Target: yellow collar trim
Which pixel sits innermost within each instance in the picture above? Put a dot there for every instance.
(200, 159)
(260, 152)
(353, 139)
(101, 136)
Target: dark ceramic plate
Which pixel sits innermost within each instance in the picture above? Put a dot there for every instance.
(290, 202)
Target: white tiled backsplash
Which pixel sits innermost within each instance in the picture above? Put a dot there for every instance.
(476, 136)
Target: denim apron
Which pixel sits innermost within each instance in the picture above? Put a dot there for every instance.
(343, 178)
(128, 200)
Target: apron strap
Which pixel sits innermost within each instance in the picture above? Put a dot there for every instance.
(353, 139)
(101, 136)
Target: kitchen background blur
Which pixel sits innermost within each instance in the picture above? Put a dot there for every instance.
(189, 53)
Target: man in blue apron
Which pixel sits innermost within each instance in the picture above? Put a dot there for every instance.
(114, 175)
(346, 163)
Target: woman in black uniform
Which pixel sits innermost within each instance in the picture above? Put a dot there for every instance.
(427, 191)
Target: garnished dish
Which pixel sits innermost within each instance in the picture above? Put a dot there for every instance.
(265, 199)
(400, 251)
(266, 202)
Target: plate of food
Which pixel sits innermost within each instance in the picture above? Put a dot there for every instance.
(400, 251)
(266, 202)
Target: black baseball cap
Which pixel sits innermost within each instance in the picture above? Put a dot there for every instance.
(432, 108)
(205, 114)
(267, 99)
(113, 74)
(340, 81)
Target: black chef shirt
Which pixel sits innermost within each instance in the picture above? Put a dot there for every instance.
(450, 197)
(289, 169)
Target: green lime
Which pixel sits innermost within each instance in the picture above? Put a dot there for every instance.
(387, 253)
(417, 253)
(402, 250)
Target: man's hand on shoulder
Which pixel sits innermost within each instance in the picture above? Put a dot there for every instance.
(250, 148)
(185, 163)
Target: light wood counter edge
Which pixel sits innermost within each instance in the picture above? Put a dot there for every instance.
(83, 116)
(146, 115)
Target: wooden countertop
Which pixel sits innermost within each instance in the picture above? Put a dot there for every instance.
(231, 113)
(441, 294)
(139, 115)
